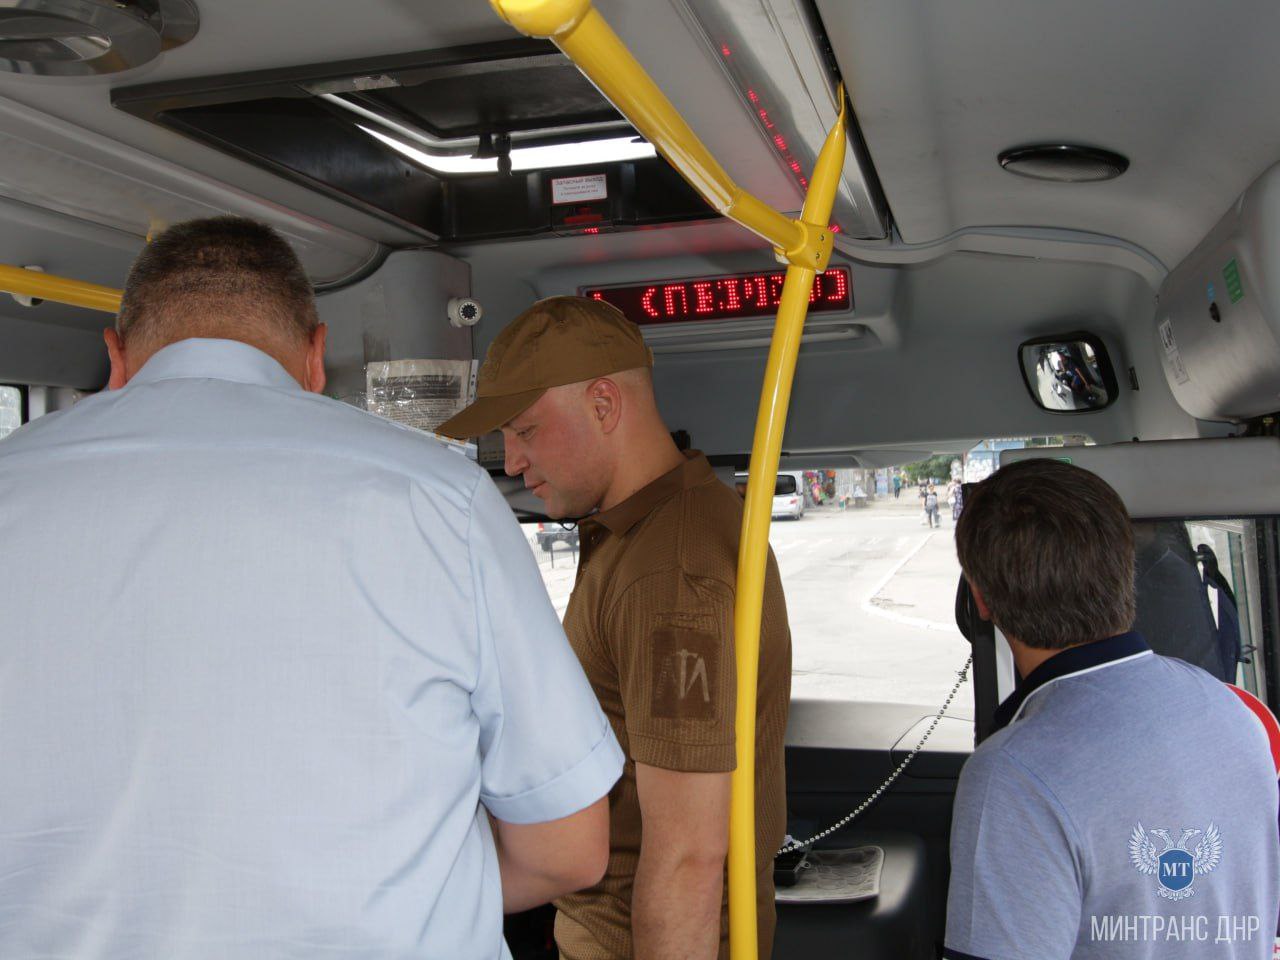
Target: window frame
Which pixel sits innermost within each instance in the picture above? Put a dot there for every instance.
(1268, 564)
(24, 402)
(1260, 562)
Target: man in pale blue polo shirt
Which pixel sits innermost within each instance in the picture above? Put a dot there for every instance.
(278, 679)
(1126, 807)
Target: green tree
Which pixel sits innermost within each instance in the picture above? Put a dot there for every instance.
(937, 467)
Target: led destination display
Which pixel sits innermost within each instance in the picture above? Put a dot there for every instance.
(738, 296)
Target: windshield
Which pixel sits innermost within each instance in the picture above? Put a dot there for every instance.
(869, 570)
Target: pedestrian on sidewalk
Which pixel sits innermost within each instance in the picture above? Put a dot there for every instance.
(931, 506)
(955, 497)
(897, 486)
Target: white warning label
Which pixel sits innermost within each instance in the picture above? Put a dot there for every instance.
(1172, 353)
(579, 189)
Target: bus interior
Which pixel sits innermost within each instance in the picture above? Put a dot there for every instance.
(1052, 219)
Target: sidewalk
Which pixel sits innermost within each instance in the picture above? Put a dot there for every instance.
(886, 505)
(923, 588)
(870, 595)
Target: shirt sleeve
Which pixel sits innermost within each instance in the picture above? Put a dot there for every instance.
(1016, 873)
(547, 750)
(671, 636)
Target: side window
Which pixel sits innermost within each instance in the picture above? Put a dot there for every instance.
(11, 410)
(555, 547)
(1198, 595)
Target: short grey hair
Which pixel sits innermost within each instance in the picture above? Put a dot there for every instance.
(1050, 547)
(216, 276)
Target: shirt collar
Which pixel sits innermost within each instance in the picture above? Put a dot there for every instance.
(204, 359)
(1072, 661)
(622, 517)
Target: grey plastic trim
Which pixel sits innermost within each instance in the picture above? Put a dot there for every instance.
(836, 334)
(1229, 477)
(846, 724)
(124, 189)
(774, 55)
(1013, 241)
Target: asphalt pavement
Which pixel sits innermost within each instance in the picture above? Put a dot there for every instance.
(870, 594)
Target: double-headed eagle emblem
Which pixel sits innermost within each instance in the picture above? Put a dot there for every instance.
(1175, 866)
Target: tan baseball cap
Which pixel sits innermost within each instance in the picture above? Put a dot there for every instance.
(556, 341)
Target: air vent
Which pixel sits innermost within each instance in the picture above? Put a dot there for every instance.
(67, 38)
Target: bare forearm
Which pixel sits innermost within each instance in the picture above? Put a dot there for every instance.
(541, 861)
(675, 908)
(524, 889)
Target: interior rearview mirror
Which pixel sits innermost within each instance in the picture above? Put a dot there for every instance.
(1068, 373)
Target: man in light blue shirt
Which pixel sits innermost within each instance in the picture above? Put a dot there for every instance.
(1126, 809)
(278, 679)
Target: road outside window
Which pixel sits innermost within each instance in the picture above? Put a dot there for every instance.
(869, 591)
(870, 583)
(870, 595)
(10, 410)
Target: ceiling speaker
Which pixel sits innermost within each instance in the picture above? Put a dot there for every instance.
(1064, 162)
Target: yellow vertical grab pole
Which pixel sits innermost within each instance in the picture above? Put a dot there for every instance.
(586, 39)
(753, 551)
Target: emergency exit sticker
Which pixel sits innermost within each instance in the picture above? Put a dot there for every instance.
(578, 189)
(1231, 274)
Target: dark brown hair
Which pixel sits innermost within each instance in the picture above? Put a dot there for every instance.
(1050, 547)
(224, 276)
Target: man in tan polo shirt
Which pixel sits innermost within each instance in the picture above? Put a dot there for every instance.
(651, 618)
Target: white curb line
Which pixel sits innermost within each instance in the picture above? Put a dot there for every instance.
(903, 618)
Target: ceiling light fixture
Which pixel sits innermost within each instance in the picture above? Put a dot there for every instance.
(439, 162)
(485, 145)
(585, 151)
(525, 158)
(1064, 163)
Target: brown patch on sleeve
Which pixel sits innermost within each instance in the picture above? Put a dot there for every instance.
(673, 642)
(685, 667)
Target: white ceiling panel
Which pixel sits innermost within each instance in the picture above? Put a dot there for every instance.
(1186, 90)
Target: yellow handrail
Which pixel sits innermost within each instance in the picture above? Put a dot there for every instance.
(586, 39)
(46, 286)
(753, 550)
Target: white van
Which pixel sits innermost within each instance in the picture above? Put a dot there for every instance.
(788, 496)
(788, 493)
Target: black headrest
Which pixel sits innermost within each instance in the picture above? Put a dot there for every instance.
(967, 617)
